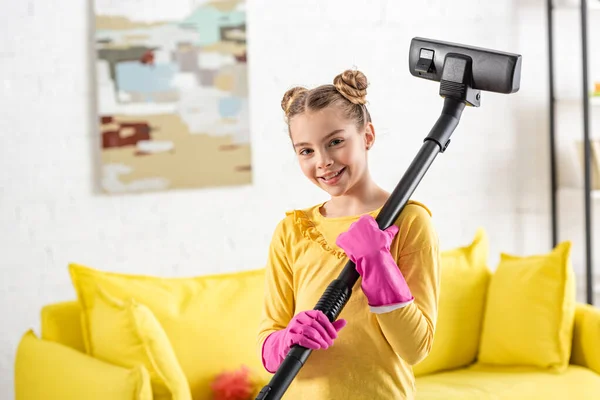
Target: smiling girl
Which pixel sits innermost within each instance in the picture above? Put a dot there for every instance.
(387, 326)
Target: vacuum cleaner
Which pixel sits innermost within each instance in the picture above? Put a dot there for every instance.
(463, 72)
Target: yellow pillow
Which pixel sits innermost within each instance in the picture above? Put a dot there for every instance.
(60, 322)
(530, 311)
(211, 321)
(463, 287)
(126, 333)
(50, 370)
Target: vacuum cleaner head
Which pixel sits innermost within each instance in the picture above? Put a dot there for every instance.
(490, 70)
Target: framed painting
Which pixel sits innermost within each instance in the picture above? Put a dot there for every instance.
(172, 94)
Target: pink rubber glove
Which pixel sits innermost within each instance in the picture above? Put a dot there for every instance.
(309, 329)
(369, 248)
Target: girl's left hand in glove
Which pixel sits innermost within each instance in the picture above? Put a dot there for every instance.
(369, 248)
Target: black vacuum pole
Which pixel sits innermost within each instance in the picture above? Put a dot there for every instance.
(457, 89)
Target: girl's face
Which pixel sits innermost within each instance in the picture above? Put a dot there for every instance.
(331, 150)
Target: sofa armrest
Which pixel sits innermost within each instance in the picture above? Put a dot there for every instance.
(50, 370)
(586, 337)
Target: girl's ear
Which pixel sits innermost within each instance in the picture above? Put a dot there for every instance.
(369, 136)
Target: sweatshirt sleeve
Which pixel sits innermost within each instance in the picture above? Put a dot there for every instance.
(278, 302)
(410, 329)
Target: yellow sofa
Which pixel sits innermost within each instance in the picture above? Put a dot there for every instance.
(513, 334)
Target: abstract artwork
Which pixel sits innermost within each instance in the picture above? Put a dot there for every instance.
(172, 94)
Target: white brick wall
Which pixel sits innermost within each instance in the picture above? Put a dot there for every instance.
(494, 174)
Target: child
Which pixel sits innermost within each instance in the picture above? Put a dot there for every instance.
(392, 312)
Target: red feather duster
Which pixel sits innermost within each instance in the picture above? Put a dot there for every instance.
(233, 385)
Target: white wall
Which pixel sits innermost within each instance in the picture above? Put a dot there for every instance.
(495, 173)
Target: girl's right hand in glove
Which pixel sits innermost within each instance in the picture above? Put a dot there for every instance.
(310, 329)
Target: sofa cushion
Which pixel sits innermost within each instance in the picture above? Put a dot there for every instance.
(530, 311)
(211, 321)
(49, 370)
(126, 333)
(61, 323)
(506, 383)
(464, 282)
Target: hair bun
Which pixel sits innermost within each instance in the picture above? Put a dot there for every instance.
(352, 84)
(290, 96)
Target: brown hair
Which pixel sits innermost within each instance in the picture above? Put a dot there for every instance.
(348, 92)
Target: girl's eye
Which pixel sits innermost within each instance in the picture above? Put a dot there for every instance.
(305, 152)
(336, 141)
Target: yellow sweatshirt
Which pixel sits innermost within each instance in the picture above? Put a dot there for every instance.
(372, 356)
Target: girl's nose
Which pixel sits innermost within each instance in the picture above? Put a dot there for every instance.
(324, 161)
